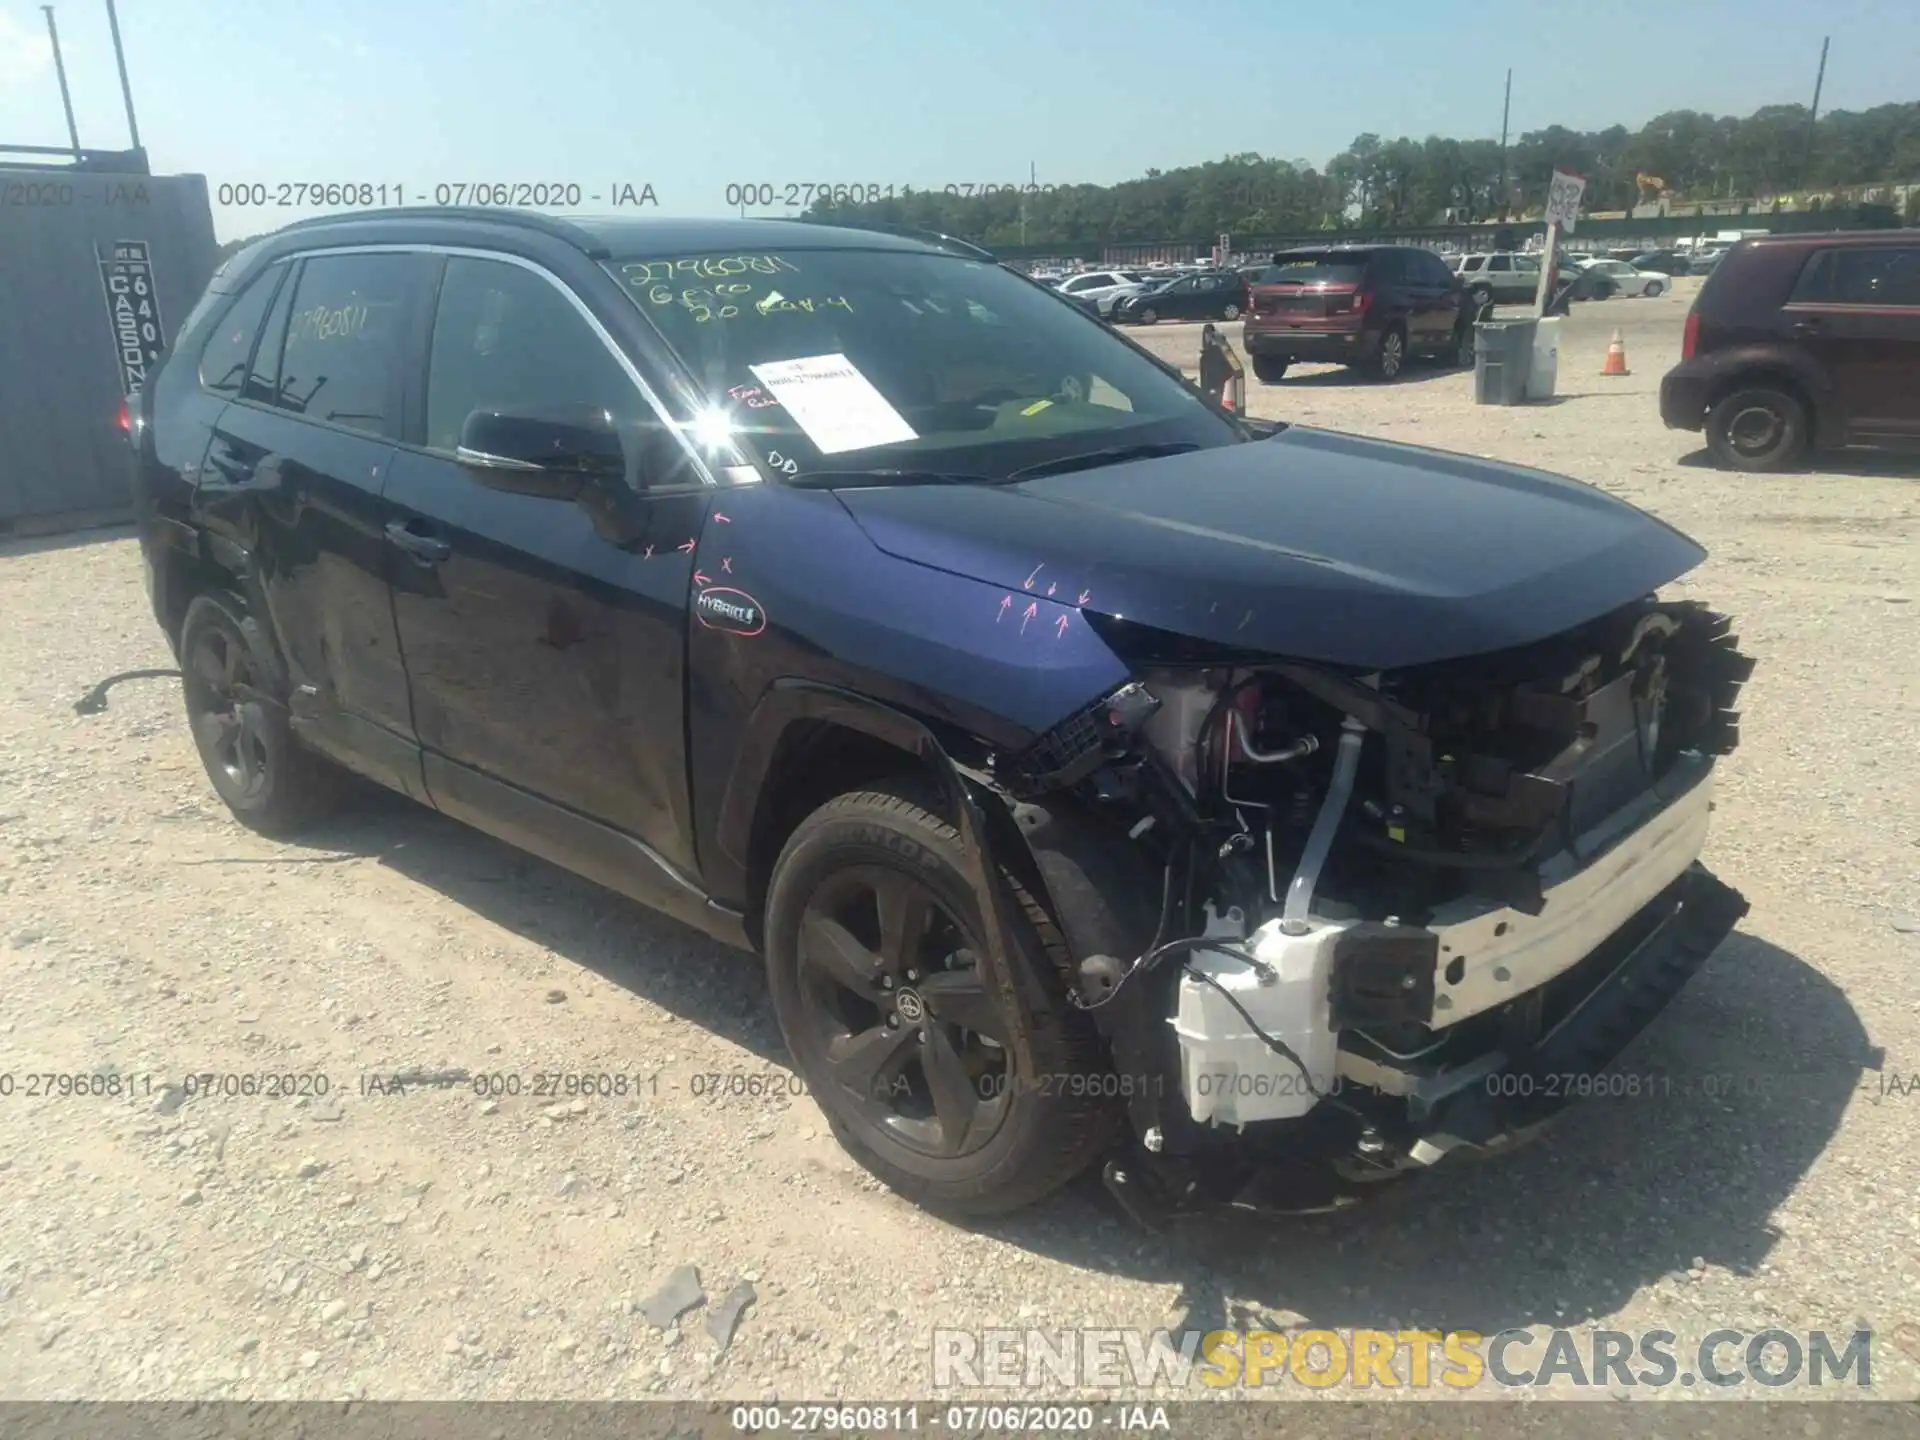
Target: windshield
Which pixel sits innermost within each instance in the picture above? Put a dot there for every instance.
(843, 359)
(1314, 270)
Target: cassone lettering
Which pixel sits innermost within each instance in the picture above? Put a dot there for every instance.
(126, 273)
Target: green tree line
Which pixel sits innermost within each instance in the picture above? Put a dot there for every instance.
(1379, 184)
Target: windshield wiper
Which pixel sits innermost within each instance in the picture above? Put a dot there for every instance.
(828, 479)
(1093, 459)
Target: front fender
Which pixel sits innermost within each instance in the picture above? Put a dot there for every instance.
(790, 701)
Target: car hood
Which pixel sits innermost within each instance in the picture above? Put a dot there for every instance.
(1312, 545)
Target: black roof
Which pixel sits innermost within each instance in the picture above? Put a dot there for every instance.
(620, 237)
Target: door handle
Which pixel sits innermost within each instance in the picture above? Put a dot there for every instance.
(1806, 327)
(230, 467)
(423, 547)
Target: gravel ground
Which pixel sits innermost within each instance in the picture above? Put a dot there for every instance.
(429, 1244)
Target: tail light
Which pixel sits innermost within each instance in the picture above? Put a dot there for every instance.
(1690, 337)
(126, 419)
(1361, 299)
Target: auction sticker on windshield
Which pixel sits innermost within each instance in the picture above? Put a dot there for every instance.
(833, 403)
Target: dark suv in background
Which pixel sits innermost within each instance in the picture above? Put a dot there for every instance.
(1370, 307)
(1801, 342)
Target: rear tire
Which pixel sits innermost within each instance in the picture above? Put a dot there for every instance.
(1269, 371)
(270, 781)
(1391, 357)
(1230, 312)
(1757, 428)
(871, 931)
(1482, 299)
(1654, 289)
(1148, 316)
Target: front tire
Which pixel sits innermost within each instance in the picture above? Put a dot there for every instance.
(267, 778)
(1653, 290)
(1148, 316)
(1230, 312)
(964, 1097)
(1757, 429)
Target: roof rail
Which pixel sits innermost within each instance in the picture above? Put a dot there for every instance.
(911, 232)
(524, 219)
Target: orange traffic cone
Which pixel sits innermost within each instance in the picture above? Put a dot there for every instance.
(1616, 357)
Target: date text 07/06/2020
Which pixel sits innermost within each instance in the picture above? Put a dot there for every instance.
(386, 194)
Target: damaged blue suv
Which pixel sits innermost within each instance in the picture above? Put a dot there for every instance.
(1259, 812)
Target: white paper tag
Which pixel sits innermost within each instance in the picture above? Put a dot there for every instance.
(833, 403)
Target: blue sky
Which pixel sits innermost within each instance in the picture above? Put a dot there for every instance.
(692, 97)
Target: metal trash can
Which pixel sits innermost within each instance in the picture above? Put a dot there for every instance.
(1502, 360)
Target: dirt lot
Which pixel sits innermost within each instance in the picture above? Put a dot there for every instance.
(435, 1244)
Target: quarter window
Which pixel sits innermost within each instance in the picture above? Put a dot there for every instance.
(223, 364)
(263, 380)
(346, 337)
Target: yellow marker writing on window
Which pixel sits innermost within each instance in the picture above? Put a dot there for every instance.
(1036, 407)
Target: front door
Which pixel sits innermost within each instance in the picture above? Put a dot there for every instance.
(1857, 308)
(545, 639)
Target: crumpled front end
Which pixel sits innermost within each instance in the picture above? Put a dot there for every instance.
(1390, 917)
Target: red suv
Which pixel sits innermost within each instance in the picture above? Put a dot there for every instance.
(1366, 306)
(1799, 342)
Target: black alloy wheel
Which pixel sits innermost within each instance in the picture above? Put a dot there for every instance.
(892, 992)
(228, 722)
(270, 782)
(965, 1088)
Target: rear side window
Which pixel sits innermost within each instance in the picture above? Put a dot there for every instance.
(1315, 270)
(346, 339)
(1861, 276)
(223, 364)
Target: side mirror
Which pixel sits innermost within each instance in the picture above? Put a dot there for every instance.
(553, 454)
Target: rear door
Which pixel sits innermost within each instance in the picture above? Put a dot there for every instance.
(1857, 308)
(1181, 300)
(293, 482)
(1429, 300)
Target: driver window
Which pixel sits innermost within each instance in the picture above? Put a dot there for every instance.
(506, 338)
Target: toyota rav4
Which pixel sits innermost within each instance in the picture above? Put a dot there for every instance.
(1259, 812)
